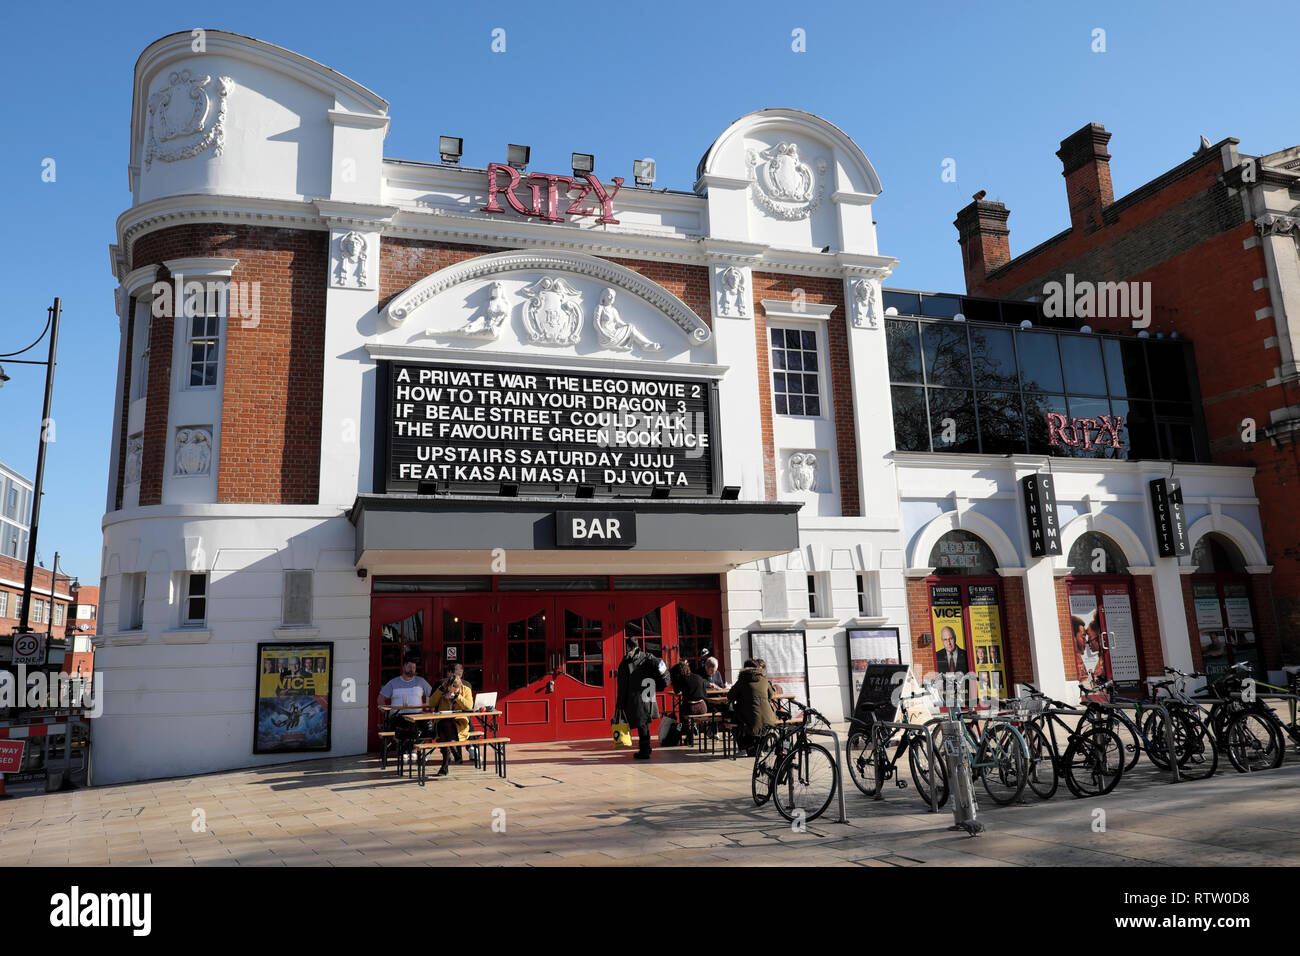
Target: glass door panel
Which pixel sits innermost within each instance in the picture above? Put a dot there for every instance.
(398, 626)
(527, 660)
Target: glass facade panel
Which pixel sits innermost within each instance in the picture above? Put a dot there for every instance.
(1081, 359)
(903, 343)
(993, 357)
(947, 357)
(911, 430)
(1002, 430)
(952, 420)
(1040, 362)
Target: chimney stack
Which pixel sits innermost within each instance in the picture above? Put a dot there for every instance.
(1086, 167)
(984, 237)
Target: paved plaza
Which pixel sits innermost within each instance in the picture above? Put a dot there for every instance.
(582, 804)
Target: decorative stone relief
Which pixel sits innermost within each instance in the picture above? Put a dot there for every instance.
(802, 467)
(614, 332)
(134, 459)
(864, 304)
(1274, 224)
(350, 265)
(733, 293)
(553, 315)
(783, 184)
(487, 326)
(193, 451)
(179, 112)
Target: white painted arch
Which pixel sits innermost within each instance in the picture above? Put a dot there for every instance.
(974, 522)
(1125, 538)
(1252, 550)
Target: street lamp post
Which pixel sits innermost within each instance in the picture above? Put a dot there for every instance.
(53, 328)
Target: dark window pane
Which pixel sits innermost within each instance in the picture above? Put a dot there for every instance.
(907, 303)
(778, 337)
(810, 361)
(812, 406)
(652, 623)
(993, 357)
(1037, 408)
(1180, 445)
(1141, 431)
(778, 358)
(952, 416)
(940, 306)
(594, 677)
(1040, 364)
(1168, 366)
(792, 338)
(1002, 427)
(981, 310)
(903, 343)
(1081, 356)
(911, 431)
(796, 405)
(778, 382)
(781, 405)
(947, 360)
(809, 340)
(794, 361)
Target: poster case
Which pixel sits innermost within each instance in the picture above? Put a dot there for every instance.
(871, 645)
(292, 708)
(786, 653)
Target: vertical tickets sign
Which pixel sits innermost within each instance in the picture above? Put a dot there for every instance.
(1040, 515)
(472, 428)
(1171, 524)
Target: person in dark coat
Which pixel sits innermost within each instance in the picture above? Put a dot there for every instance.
(751, 706)
(640, 676)
(689, 688)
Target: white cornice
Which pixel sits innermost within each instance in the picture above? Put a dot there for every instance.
(358, 120)
(782, 308)
(201, 266)
(355, 214)
(179, 210)
(137, 279)
(722, 182)
(916, 459)
(853, 199)
(425, 353)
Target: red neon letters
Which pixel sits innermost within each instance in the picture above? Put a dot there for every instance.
(550, 182)
(1102, 431)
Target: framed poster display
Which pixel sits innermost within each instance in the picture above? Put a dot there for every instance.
(292, 710)
(871, 645)
(786, 653)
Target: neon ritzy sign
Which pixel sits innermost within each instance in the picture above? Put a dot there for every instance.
(548, 191)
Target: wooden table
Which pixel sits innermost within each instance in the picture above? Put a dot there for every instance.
(487, 720)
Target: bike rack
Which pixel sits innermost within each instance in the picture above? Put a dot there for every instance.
(1169, 727)
(929, 746)
(838, 763)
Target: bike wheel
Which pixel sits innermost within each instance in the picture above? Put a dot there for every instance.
(918, 761)
(1254, 743)
(1093, 762)
(862, 758)
(1004, 766)
(1194, 746)
(766, 754)
(1153, 729)
(1123, 728)
(1043, 779)
(805, 782)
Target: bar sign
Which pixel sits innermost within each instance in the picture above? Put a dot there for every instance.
(595, 529)
(1040, 515)
(1171, 524)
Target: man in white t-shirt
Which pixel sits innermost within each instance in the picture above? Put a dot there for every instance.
(407, 691)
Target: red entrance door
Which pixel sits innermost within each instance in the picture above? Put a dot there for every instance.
(398, 626)
(587, 653)
(652, 620)
(1104, 633)
(526, 660)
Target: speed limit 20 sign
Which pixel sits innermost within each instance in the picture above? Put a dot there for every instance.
(29, 649)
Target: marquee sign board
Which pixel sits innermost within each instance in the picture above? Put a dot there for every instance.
(1040, 515)
(473, 428)
(1171, 524)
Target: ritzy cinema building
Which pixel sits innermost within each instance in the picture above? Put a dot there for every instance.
(508, 418)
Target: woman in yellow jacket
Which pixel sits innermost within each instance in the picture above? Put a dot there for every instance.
(452, 694)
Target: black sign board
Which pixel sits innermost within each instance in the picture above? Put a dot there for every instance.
(595, 529)
(474, 428)
(1040, 515)
(1171, 524)
(876, 698)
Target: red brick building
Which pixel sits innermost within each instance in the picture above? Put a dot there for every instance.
(47, 614)
(1215, 238)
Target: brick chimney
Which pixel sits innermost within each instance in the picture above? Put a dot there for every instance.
(1087, 175)
(984, 237)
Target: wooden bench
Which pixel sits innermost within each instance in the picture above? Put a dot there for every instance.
(497, 745)
(705, 729)
(388, 741)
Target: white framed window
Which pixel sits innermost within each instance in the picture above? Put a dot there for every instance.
(297, 598)
(38, 611)
(796, 372)
(18, 606)
(131, 608)
(812, 595)
(203, 346)
(4, 603)
(868, 594)
(194, 599)
(140, 368)
(58, 615)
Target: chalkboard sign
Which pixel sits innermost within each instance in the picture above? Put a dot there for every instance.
(472, 428)
(876, 699)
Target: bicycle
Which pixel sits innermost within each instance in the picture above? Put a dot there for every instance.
(1250, 731)
(997, 755)
(1194, 744)
(867, 754)
(806, 776)
(768, 751)
(1092, 763)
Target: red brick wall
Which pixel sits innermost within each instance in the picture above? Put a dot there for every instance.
(762, 360)
(1068, 652)
(125, 386)
(13, 569)
(918, 616)
(816, 291)
(1015, 637)
(1148, 626)
(273, 368)
(1193, 632)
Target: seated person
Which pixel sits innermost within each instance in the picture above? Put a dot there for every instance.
(407, 691)
(690, 689)
(751, 706)
(712, 676)
(761, 663)
(452, 694)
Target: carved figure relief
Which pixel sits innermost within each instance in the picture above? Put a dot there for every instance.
(193, 451)
(615, 332)
(864, 304)
(783, 184)
(732, 293)
(802, 466)
(180, 112)
(134, 459)
(488, 325)
(350, 262)
(553, 315)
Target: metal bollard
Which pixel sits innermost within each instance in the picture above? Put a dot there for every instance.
(960, 788)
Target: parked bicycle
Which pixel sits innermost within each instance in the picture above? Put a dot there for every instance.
(1194, 743)
(1245, 727)
(804, 776)
(1092, 762)
(868, 755)
(996, 753)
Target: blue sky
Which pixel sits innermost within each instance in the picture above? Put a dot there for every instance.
(994, 87)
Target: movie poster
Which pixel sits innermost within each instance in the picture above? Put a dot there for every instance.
(1085, 638)
(989, 664)
(949, 633)
(293, 697)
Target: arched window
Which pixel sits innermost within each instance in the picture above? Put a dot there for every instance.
(1094, 553)
(1216, 554)
(960, 552)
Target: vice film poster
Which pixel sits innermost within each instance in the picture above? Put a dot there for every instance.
(293, 697)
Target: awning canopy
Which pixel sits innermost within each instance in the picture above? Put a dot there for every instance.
(459, 534)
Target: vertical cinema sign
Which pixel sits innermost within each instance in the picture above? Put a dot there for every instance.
(1040, 515)
(1171, 524)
